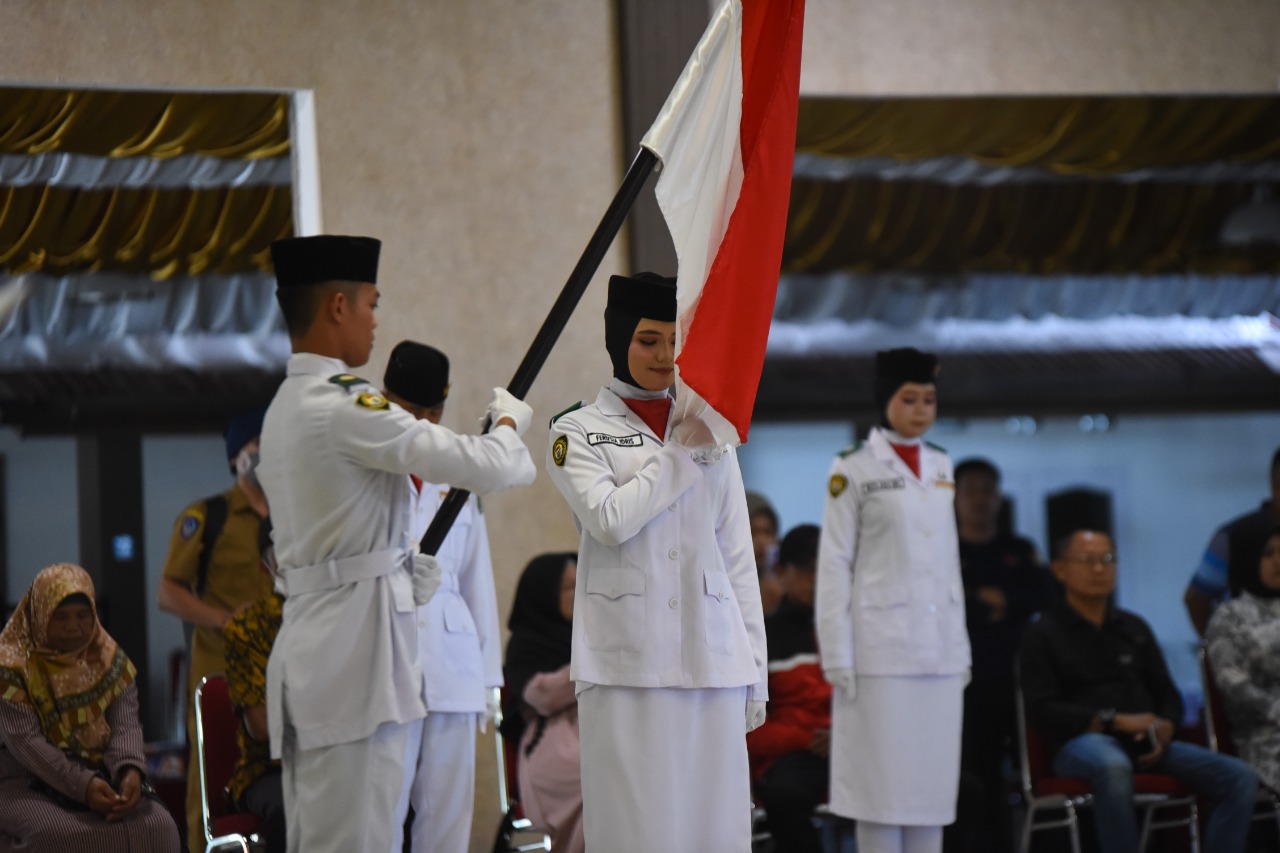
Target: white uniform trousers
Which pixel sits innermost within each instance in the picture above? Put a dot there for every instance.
(339, 799)
(665, 769)
(440, 781)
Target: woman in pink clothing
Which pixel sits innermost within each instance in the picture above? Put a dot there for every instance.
(542, 711)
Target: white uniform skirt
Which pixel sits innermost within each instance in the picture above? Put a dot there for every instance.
(895, 749)
(665, 769)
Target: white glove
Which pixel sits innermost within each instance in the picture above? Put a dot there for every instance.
(693, 434)
(506, 405)
(842, 679)
(709, 455)
(490, 710)
(755, 714)
(426, 578)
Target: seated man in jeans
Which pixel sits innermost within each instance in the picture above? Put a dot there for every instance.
(1096, 686)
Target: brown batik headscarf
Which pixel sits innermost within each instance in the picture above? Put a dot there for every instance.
(69, 691)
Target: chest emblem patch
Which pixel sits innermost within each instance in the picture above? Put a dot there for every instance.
(373, 401)
(559, 450)
(635, 440)
(839, 482)
(883, 485)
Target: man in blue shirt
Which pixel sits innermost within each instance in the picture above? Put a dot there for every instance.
(1235, 548)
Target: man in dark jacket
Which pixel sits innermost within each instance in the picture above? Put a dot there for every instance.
(1096, 686)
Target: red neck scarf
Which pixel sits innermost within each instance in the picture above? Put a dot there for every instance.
(910, 454)
(653, 412)
(417, 483)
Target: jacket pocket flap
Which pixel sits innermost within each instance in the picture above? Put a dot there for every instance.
(717, 585)
(457, 618)
(615, 583)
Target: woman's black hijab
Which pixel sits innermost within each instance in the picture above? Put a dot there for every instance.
(541, 638)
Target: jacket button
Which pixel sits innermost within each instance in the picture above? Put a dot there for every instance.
(673, 553)
(673, 603)
(672, 507)
(933, 608)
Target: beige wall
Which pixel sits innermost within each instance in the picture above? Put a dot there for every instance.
(971, 47)
(479, 140)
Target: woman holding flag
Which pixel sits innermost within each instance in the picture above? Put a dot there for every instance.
(668, 634)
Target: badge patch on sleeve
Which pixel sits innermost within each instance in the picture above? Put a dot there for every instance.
(559, 450)
(837, 485)
(373, 401)
(190, 525)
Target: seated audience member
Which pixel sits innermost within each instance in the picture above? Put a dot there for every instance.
(540, 710)
(1232, 553)
(256, 783)
(71, 766)
(789, 752)
(1242, 640)
(1096, 686)
(1004, 585)
(764, 542)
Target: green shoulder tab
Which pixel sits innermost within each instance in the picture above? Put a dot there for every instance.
(346, 380)
(853, 448)
(559, 415)
(936, 447)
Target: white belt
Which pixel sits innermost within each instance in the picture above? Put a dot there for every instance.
(336, 573)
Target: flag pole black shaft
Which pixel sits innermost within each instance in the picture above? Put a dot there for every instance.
(547, 336)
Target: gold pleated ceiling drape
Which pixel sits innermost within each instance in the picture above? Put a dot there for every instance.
(1092, 222)
(161, 232)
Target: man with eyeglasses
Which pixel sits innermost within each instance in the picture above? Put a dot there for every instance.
(1097, 688)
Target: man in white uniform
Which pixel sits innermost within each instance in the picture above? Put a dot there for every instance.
(458, 636)
(343, 683)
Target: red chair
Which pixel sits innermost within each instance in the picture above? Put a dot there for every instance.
(216, 724)
(513, 817)
(1042, 791)
(1218, 727)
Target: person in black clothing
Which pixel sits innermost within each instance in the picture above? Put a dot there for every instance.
(1005, 585)
(789, 752)
(1097, 688)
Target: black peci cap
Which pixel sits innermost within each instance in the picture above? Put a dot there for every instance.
(897, 367)
(417, 373)
(303, 261)
(645, 294)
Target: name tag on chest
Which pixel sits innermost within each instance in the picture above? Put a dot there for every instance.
(634, 440)
(874, 486)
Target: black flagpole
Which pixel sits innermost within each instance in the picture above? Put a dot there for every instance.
(546, 338)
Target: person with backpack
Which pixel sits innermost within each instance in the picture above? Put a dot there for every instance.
(212, 569)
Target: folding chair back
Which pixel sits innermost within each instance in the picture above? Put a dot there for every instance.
(513, 820)
(1216, 723)
(218, 752)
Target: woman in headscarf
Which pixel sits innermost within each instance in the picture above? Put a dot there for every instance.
(668, 637)
(71, 764)
(542, 711)
(891, 626)
(1243, 640)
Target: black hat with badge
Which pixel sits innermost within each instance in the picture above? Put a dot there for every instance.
(417, 373)
(305, 261)
(645, 295)
(897, 367)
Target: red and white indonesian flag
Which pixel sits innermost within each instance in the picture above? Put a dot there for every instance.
(726, 138)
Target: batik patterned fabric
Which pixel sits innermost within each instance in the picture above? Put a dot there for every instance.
(249, 637)
(69, 691)
(1243, 638)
